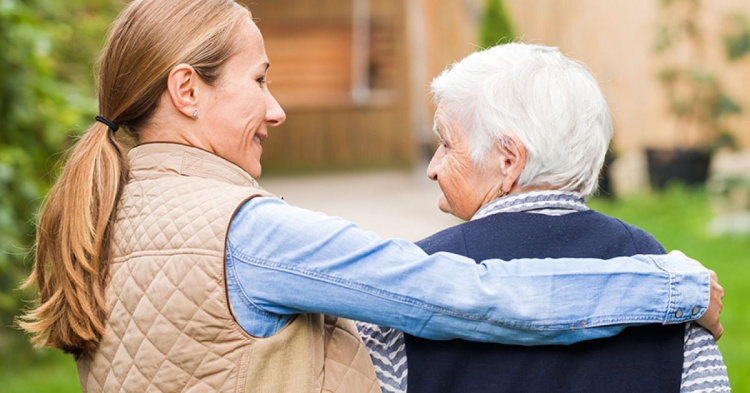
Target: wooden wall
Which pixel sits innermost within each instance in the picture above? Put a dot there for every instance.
(311, 77)
(327, 129)
(614, 38)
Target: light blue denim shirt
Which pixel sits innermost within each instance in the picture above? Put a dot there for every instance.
(283, 260)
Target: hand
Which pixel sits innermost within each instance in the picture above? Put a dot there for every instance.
(710, 319)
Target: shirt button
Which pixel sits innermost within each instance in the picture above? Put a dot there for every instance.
(678, 313)
(696, 309)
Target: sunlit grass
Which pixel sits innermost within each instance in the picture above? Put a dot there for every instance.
(52, 371)
(679, 220)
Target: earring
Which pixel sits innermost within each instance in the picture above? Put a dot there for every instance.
(195, 114)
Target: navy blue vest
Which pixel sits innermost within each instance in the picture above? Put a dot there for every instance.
(641, 359)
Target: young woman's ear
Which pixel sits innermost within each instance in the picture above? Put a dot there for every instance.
(183, 88)
(513, 160)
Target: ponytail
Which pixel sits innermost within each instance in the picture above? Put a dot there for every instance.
(73, 246)
(74, 234)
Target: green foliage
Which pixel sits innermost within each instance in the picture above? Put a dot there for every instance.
(696, 98)
(47, 49)
(496, 27)
(737, 44)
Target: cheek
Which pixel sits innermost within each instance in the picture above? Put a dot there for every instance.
(244, 107)
(460, 189)
(257, 104)
(450, 182)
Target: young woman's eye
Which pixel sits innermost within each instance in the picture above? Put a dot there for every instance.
(262, 80)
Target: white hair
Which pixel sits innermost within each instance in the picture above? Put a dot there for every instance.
(552, 103)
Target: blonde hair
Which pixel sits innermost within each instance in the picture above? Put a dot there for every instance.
(74, 234)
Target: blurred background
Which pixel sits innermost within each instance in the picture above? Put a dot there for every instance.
(353, 77)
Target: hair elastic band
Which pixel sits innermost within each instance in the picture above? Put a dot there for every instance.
(112, 126)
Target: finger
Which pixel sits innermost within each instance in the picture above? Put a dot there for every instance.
(678, 253)
(720, 332)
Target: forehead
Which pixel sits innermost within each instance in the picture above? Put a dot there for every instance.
(250, 42)
(448, 128)
(442, 121)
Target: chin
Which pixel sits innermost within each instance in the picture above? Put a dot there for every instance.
(444, 207)
(254, 171)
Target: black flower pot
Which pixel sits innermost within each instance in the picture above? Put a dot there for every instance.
(688, 166)
(605, 177)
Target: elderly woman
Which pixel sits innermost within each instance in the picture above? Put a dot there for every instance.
(523, 133)
(170, 269)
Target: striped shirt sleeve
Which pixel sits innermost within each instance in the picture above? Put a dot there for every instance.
(703, 368)
(388, 353)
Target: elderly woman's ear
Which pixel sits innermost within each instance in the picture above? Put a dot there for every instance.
(512, 161)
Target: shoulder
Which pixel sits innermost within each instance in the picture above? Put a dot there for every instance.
(270, 226)
(260, 206)
(643, 242)
(266, 210)
(264, 218)
(450, 239)
(482, 232)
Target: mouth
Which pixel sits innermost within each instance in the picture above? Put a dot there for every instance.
(258, 138)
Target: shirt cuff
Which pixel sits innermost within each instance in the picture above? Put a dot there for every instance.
(689, 288)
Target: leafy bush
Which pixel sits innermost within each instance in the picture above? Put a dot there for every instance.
(496, 27)
(697, 101)
(737, 44)
(46, 95)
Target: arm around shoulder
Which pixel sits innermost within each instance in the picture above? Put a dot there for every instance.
(291, 260)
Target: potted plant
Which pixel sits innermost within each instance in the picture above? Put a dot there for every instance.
(696, 101)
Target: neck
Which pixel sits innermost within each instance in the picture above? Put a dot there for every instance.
(174, 131)
(519, 190)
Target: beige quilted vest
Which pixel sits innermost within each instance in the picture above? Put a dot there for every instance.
(170, 328)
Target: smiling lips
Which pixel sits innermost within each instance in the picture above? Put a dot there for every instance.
(258, 138)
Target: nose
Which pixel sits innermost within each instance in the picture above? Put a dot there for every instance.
(432, 168)
(274, 113)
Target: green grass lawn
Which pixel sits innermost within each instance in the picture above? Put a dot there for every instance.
(50, 371)
(677, 218)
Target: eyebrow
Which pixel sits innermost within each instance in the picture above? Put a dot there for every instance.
(262, 67)
(436, 130)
